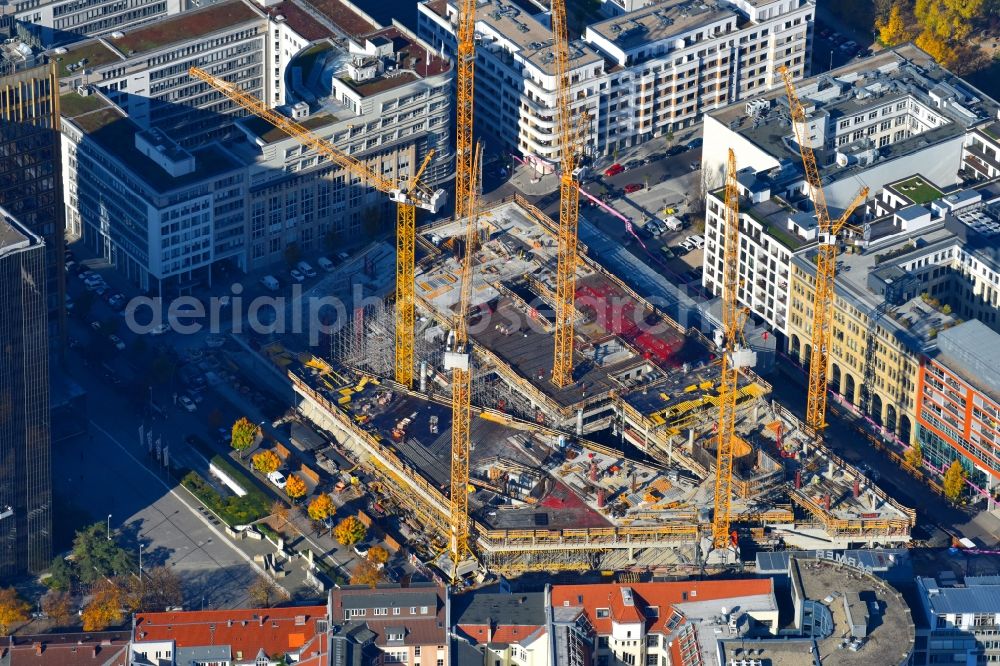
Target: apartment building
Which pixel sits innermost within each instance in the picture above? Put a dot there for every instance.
(981, 154)
(145, 71)
(505, 629)
(868, 123)
(651, 623)
(647, 73)
(961, 620)
(25, 434)
(54, 22)
(164, 214)
(958, 404)
(234, 637)
(389, 625)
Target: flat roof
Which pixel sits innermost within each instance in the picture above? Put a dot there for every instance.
(661, 20)
(14, 236)
(91, 54)
(970, 350)
(115, 134)
(300, 20)
(981, 597)
(891, 632)
(345, 17)
(186, 27)
(916, 189)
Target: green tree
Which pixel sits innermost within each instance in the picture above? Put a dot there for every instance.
(243, 434)
(914, 456)
(350, 531)
(62, 574)
(954, 481)
(893, 30)
(96, 557)
(13, 609)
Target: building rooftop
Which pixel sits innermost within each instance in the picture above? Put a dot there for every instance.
(245, 631)
(662, 20)
(531, 38)
(106, 648)
(186, 27)
(115, 133)
(417, 629)
(970, 350)
(83, 56)
(978, 597)
(890, 629)
(498, 618)
(877, 80)
(300, 20)
(916, 189)
(348, 19)
(13, 235)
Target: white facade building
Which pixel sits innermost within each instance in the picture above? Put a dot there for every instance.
(644, 74)
(63, 21)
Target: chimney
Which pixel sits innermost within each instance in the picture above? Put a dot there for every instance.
(857, 487)
(826, 501)
(798, 479)
(38, 648)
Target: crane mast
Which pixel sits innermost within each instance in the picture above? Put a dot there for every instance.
(457, 356)
(826, 263)
(569, 206)
(408, 198)
(733, 358)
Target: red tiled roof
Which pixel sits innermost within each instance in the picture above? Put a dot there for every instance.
(508, 635)
(662, 595)
(244, 630)
(505, 634)
(94, 649)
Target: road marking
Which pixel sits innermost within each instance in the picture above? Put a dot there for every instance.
(200, 516)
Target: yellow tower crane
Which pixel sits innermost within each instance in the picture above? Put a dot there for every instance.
(458, 355)
(569, 205)
(826, 262)
(734, 356)
(408, 198)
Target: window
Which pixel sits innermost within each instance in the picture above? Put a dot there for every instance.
(380, 611)
(413, 610)
(423, 610)
(416, 651)
(395, 611)
(356, 612)
(603, 613)
(395, 636)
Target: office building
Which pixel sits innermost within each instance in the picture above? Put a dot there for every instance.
(25, 445)
(144, 71)
(30, 183)
(647, 73)
(869, 123)
(54, 22)
(958, 404)
(164, 213)
(960, 620)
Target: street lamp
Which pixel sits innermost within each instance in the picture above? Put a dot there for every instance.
(109, 527)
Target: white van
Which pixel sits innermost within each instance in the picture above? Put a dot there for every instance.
(306, 269)
(673, 223)
(270, 282)
(325, 264)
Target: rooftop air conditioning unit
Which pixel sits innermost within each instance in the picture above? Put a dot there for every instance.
(83, 91)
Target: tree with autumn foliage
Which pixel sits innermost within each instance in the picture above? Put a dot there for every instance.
(937, 47)
(105, 606)
(266, 461)
(378, 555)
(367, 573)
(264, 593)
(13, 609)
(321, 508)
(295, 487)
(243, 434)
(914, 456)
(58, 606)
(951, 20)
(893, 29)
(954, 481)
(350, 531)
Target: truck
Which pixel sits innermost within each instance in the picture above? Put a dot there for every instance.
(673, 223)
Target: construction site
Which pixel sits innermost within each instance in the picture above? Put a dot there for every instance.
(614, 472)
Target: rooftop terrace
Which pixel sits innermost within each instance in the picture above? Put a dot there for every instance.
(662, 20)
(83, 56)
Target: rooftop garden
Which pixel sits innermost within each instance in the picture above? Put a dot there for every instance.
(89, 55)
(918, 190)
(72, 104)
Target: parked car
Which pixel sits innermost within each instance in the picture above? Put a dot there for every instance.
(325, 264)
(187, 403)
(306, 269)
(633, 187)
(361, 549)
(614, 170)
(681, 250)
(697, 240)
(695, 165)
(694, 143)
(277, 478)
(675, 150)
(96, 325)
(343, 256)
(117, 342)
(296, 275)
(270, 282)
(633, 164)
